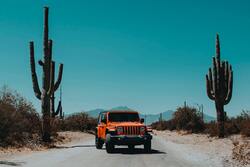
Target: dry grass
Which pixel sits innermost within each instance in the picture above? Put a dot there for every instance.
(77, 122)
(185, 118)
(189, 119)
(19, 122)
(241, 152)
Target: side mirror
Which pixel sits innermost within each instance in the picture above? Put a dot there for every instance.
(142, 120)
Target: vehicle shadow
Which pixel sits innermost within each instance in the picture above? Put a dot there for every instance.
(74, 146)
(9, 163)
(136, 151)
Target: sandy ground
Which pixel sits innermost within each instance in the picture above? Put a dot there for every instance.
(81, 151)
(65, 139)
(173, 149)
(233, 151)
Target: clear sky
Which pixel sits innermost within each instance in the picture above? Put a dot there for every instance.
(145, 54)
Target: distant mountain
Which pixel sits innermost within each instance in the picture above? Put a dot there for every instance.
(208, 118)
(94, 113)
(149, 119)
(120, 108)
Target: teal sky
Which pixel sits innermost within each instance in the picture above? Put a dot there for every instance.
(145, 54)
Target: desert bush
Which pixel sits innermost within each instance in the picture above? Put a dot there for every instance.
(78, 122)
(18, 118)
(185, 118)
(188, 118)
(163, 125)
(211, 129)
(234, 125)
(243, 123)
(245, 128)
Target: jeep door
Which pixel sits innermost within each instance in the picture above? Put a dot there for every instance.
(102, 125)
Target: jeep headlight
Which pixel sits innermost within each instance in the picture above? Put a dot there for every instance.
(119, 130)
(142, 129)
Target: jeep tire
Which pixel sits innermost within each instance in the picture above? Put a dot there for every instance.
(98, 142)
(109, 145)
(147, 146)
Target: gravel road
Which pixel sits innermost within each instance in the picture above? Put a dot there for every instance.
(84, 154)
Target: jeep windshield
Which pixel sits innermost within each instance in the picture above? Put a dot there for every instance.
(123, 117)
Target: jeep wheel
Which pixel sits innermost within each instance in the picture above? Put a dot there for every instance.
(109, 146)
(98, 143)
(147, 146)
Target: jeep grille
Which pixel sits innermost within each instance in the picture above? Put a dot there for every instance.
(131, 130)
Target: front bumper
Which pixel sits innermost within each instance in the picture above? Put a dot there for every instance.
(130, 140)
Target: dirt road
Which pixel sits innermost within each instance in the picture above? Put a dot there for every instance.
(85, 154)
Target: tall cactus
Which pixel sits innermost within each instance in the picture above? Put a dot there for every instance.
(48, 85)
(219, 85)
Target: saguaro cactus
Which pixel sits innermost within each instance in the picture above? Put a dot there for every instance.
(220, 86)
(48, 85)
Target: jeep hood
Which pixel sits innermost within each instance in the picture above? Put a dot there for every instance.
(115, 124)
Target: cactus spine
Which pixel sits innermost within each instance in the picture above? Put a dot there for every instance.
(219, 85)
(46, 94)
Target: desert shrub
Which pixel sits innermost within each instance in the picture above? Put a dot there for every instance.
(234, 125)
(78, 122)
(18, 118)
(163, 125)
(211, 129)
(185, 118)
(245, 128)
(243, 122)
(188, 118)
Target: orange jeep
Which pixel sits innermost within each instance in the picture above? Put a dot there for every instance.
(121, 128)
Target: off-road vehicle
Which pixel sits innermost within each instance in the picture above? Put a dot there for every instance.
(122, 128)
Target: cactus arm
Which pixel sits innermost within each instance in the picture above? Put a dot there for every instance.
(215, 78)
(211, 79)
(210, 93)
(230, 87)
(33, 72)
(46, 31)
(58, 110)
(223, 93)
(59, 78)
(52, 78)
(217, 47)
(226, 76)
